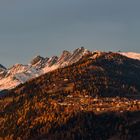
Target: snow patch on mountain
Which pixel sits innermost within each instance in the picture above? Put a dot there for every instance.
(8, 83)
(132, 55)
(18, 74)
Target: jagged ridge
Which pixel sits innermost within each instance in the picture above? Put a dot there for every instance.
(39, 65)
(17, 74)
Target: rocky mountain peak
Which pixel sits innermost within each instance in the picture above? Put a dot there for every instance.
(36, 59)
(2, 71)
(78, 54)
(2, 68)
(64, 57)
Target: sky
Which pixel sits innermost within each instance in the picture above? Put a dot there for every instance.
(47, 27)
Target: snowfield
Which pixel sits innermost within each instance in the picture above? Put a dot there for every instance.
(132, 55)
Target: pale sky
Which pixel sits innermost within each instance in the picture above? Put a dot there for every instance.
(47, 27)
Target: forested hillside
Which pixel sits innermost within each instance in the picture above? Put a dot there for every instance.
(95, 98)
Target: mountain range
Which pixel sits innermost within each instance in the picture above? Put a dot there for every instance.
(80, 95)
(19, 73)
(54, 88)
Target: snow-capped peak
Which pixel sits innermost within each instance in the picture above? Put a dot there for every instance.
(132, 55)
(64, 57)
(39, 62)
(17, 68)
(19, 73)
(78, 54)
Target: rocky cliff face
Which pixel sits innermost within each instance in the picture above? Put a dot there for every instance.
(2, 71)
